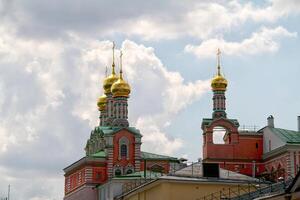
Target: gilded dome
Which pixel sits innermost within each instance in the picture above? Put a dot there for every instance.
(219, 83)
(101, 103)
(108, 82)
(120, 88)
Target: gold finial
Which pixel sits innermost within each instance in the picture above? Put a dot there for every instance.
(113, 61)
(218, 57)
(121, 66)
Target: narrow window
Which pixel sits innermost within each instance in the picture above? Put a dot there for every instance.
(98, 176)
(123, 150)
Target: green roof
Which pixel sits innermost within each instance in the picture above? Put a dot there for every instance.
(208, 121)
(100, 154)
(112, 130)
(152, 156)
(287, 136)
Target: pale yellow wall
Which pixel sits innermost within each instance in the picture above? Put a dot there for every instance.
(178, 191)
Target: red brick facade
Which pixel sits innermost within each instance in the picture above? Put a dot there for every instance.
(239, 151)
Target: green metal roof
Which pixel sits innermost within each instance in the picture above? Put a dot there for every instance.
(111, 130)
(152, 156)
(287, 136)
(100, 154)
(208, 121)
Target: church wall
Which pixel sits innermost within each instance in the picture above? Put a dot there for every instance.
(250, 147)
(85, 175)
(243, 167)
(165, 164)
(75, 180)
(279, 162)
(130, 160)
(270, 138)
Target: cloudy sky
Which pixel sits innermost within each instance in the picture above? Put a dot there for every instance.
(53, 56)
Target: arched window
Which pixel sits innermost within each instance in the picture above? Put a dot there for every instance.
(118, 172)
(157, 168)
(123, 150)
(218, 135)
(129, 171)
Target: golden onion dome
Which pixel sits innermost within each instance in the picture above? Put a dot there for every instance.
(101, 103)
(108, 82)
(120, 88)
(219, 83)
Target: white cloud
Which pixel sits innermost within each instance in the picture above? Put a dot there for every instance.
(264, 41)
(206, 19)
(153, 20)
(154, 140)
(48, 99)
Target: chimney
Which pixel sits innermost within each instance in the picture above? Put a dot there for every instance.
(271, 121)
(298, 123)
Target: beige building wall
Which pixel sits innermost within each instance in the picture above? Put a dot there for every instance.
(179, 191)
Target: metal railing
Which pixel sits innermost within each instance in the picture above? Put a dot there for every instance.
(229, 193)
(251, 191)
(129, 186)
(135, 183)
(248, 128)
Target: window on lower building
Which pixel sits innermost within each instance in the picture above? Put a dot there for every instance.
(129, 171)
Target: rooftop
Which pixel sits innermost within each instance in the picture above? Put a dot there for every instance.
(287, 136)
(195, 170)
(153, 156)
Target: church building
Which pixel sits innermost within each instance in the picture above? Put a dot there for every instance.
(270, 152)
(114, 157)
(114, 147)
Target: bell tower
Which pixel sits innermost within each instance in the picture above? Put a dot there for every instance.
(219, 85)
(211, 150)
(120, 91)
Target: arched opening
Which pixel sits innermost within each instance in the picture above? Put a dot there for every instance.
(123, 150)
(157, 168)
(118, 172)
(218, 135)
(129, 171)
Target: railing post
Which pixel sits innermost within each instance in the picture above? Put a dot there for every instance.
(192, 169)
